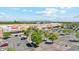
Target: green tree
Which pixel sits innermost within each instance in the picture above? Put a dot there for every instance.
(6, 34)
(28, 31)
(53, 36)
(36, 37)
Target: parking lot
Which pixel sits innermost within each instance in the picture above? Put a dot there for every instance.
(64, 43)
(18, 44)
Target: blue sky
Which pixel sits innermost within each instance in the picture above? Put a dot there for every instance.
(39, 13)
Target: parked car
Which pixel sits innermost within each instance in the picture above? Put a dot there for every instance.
(5, 38)
(23, 38)
(29, 45)
(34, 45)
(62, 34)
(3, 45)
(18, 44)
(48, 42)
(16, 35)
(74, 40)
(3, 50)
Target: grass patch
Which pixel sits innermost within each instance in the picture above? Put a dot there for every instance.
(11, 49)
(77, 35)
(67, 31)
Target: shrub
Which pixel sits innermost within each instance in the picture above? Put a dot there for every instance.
(27, 32)
(77, 35)
(6, 34)
(11, 49)
(53, 36)
(66, 31)
(46, 34)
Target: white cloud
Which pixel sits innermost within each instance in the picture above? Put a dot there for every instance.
(48, 11)
(2, 13)
(52, 9)
(65, 8)
(69, 7)
(30, 10)
(62, 11)
(62, 7)
(24, 10)
(15, 8)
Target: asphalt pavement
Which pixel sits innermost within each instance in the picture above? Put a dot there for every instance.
(18, 44)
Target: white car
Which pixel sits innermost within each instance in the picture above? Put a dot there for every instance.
(3, 50)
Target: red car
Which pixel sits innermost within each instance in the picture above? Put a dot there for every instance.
(3, 45)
